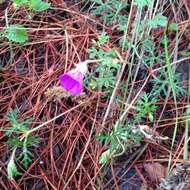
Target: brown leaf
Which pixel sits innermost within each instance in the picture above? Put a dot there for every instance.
(155, 171)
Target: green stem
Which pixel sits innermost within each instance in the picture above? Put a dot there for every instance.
(170, 75)
(187, 125)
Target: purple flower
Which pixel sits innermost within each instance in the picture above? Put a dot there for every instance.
(72, 81)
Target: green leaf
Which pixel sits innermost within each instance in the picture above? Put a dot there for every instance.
(124, 43)
(11, 167)
(103, 38)
(118, 141)
(25, 156)
(17, 127)
(15, 142)
(161, 83)
(15, 132)
(16, 33)
(103, 137)
(38, 5)
(105, 156)
(158, 20)
(146, 105)
(185, 53)
(173, 27)
(142, 3)
(151, 117)
(110, 11)
(19, 3)
(93, 84)
(92, 52)
(12, 116)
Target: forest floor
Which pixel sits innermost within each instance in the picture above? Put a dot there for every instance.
(128, 129)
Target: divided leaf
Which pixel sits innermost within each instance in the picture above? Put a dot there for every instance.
(16, 126)
(26, 156)
(19, 138)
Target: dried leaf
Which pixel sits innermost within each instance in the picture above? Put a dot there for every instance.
(150, 133)
(56, 93)
(155, 171)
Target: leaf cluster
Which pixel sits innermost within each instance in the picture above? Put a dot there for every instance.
(119, 140)
(161, 84)
(104, 73)
(18, 138)
(110, 11)
(145, 106)
(150, 57)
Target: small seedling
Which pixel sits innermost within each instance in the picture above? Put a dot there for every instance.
(119, 140)
(19, 139)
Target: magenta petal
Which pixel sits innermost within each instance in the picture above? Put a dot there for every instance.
(72, 81)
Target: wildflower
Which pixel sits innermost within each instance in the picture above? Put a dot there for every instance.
(72, 81)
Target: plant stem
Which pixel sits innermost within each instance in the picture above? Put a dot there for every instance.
(187, 125)
(170, 75)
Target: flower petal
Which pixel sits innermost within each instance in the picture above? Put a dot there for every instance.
(72, 81)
